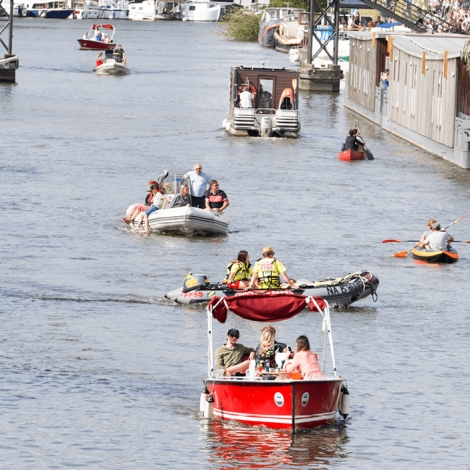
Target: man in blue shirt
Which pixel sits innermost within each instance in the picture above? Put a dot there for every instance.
(199, 183)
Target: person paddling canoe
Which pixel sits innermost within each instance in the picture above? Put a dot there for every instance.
(438, 239)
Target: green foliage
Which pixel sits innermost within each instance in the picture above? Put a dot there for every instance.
(241, 25)
(297, 3)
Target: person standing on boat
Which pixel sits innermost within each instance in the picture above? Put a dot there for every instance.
(239, 271)
(182, 199)
(120, 55)
(216, 199)
(438, 240)
(246, 98)
(354, 141)
(199, 184)
(267, 271)
(229, 357)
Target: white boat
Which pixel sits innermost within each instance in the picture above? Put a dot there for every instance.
(112, 67)
(199, 10)
(53, 9)
(89, 11)
(167, 10)
(19, 9)
(142, 10)
(114, 9)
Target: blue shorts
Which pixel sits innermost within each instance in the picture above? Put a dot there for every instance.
(151, 210)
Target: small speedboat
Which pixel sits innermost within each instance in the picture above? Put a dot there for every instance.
(339, 292)
(431, 256)
(112, 67)
(351, 155)
(274, 398)
(89, 43)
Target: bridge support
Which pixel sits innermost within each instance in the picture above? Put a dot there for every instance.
(9, 63)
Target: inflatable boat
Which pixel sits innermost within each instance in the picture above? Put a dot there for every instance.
(430, 256)
(339, 292)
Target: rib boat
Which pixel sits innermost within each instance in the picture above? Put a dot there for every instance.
(274, 398)
(339, 292)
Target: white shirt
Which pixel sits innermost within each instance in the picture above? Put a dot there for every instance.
(437, 240)
(158, 200)
(245, 99)
(199, 183)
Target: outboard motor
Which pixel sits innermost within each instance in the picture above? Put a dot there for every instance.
(266, 127)
(194, 281)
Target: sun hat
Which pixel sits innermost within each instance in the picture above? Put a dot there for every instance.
(267, 249)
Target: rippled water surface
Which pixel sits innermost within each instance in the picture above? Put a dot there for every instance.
(98, 370)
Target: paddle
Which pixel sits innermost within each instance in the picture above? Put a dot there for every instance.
(411, 241)
(366, 150)
(402, 254)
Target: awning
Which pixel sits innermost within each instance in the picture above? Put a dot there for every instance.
(104, 26)
(268, 307)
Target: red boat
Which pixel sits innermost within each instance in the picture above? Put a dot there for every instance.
(350, 155)
(90, 43)
(276, 399)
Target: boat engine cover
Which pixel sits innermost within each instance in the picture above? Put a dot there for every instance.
(194, 281)
(266, 127)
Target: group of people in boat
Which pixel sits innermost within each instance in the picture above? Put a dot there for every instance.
(247, 98)
(197, 190)
(265, 274)
(118, 55)
(230, 358)
(97, 35)
(435, 238)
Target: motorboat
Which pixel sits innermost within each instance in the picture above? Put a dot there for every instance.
(184, 220)
(19, 9)
(167, 10)
(274, 105)
(91, 44)
(199, 10)
(431, 256)
(55, 9)
(111, 66)
(269, 22)
(351, 155)
(339, 292)
(274, 398)
(142, 10)
(114, 9)
(290, 31)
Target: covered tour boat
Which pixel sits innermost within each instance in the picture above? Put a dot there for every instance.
(184, 220)
(90, 43)
(351, 155)
(431, 256)
(339, 292)
(274, 398)
(111, 66)
(263, 102)
(54, 9)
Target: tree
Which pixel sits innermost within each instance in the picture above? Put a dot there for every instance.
(241, 25)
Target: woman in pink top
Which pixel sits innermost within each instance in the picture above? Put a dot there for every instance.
(304, 360)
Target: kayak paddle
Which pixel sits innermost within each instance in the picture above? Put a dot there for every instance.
(411, 241)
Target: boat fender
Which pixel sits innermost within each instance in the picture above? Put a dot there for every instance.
(224, 123)
(209, 407)
(204, 395)
(344, 402)
(227, 126)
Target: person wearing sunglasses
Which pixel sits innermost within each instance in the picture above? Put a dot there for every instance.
(267, 271)
(229, 357)
(216, 199)
(199, 185)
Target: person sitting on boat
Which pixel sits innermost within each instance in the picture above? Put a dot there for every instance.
(303, 360)
(199, 182)
(438, 240)
(153, 188)
(182, 199)
(106, 38)
(427, 232)
(354, 141)
(246, 98)
(265, 98)
(159, 202)
(229, 357)
(287, 99)
(85, 36)
(216, 199)
(267, 271)
(239, 271)
(99, 36)
(120, 55)
(265, 352)
(99, 60)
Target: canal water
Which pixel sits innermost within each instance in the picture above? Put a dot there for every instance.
(97, 370)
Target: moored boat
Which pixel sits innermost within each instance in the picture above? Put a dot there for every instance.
(351, 155)
(90, 43)
(199, 10)
(269, 22)
(290, 31)
(54, 9)
(275, 398)
(432, 256)
(339, 292)
(272, 110)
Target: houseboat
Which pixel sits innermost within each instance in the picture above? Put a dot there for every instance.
(269, 22)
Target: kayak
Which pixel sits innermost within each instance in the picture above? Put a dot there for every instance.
(350, 155)
(338, 292)
(431, 256)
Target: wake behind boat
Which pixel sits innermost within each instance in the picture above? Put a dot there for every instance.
(339, 292)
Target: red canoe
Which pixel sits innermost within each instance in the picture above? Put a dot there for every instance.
(350, 155)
